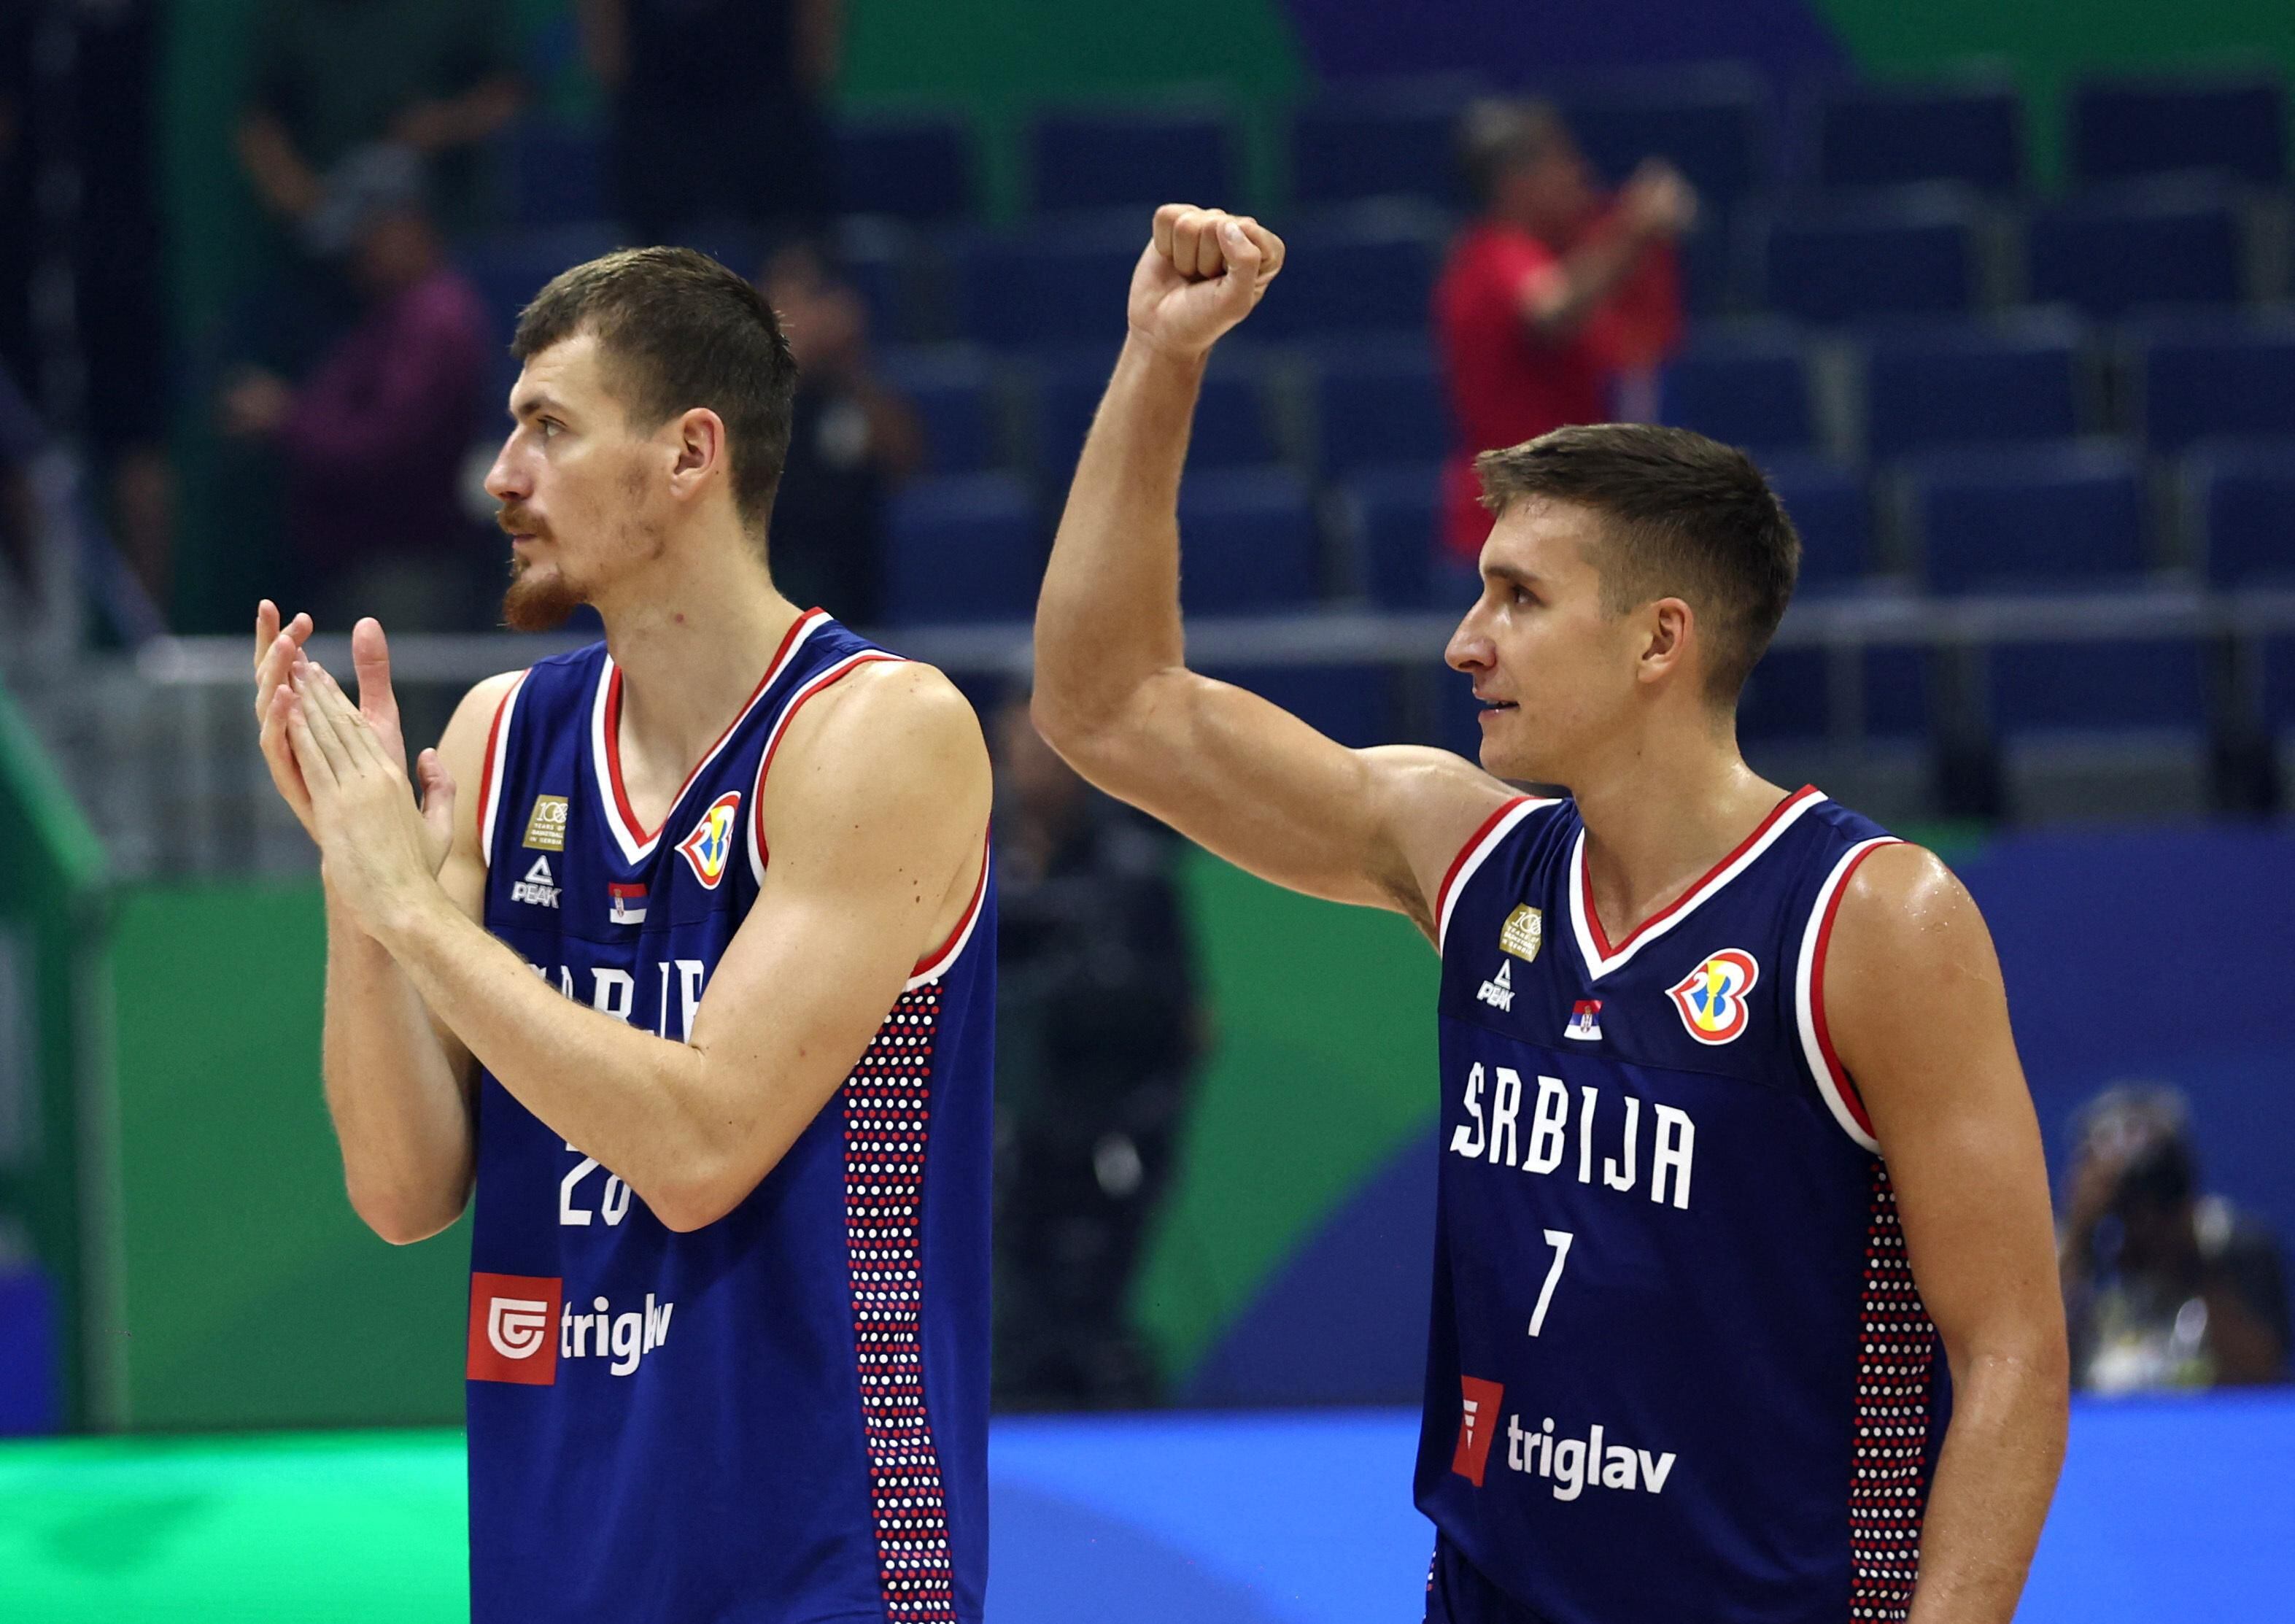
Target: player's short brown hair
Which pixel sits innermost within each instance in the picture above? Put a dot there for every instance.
(1688, 518)
(675, 330)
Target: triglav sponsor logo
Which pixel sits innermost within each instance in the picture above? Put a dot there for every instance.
(517, 1326)
(1478, 1414)
(510, 1319)
(1572, 1465)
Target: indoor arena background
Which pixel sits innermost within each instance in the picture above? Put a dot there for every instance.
(2000, 295)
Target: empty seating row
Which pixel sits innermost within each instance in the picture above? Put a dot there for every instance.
(1330, 408)
(2074, 517)
(1719, 123)
(2028, 375)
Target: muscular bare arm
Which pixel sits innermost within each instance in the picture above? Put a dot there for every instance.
(398, 1085)
(877, 815)
(1913, 1000)
(1113, 695)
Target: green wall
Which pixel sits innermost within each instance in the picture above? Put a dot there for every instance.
(1324, 1062)
(54, 907)
(251, 1296)
(2045, 44)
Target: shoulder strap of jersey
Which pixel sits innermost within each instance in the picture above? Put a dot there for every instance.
(1831, 1078)
(1485, 840)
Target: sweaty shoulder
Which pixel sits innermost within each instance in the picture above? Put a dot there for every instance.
(885, 727)
(1437, 806)
(1910, 966)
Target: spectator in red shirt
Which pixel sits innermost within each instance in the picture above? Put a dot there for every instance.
(1553, 298)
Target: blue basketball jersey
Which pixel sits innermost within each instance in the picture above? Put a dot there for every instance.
(1678, 1366)
(779, 1418)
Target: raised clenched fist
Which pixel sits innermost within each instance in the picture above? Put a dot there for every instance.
(1201, 274)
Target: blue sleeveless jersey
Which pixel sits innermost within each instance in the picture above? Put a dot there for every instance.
(1677, 1367)
(781, 1418)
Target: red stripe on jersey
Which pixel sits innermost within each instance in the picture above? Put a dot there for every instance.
(1450, 876)
(1848, 1095)
(1807, 792)
(614, 732)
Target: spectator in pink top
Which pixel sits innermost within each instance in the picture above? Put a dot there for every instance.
(372, 442)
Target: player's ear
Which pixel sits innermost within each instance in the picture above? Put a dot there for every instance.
(1669, 626)
(699, 449)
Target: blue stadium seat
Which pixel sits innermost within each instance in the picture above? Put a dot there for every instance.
(877, 256)
(1711, 123)
(2198, 377)
(2116, 685)
(1384, 141)
(2027, 517)
(1832, 507)
(2279, 684)
(510, 270)
(1786, 696)
(1377, 403)
(2122, 128)
(1747, 385)
(964, 549)
(1933, 384)
(1393, 513)
(1230, 427)
(1131, 160)
(1893, 134)
(1912, 251)
(2240, 495)
(914, 167)
(1353, 703)
(2173, 243)
(1366, 269)
(1044, 289)
(953, 391)
(556, 174)
(1249, 543)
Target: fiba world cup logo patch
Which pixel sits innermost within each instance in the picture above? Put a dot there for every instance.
(710, 843)
(1711, 998)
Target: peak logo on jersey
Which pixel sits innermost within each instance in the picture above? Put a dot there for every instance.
(1498, 992)
(1478, 1420)
(1711, 998)
(710, 843)
(1585, 1021)
(513, 1321)
(545, 825)
(539, 886)
(629, 904)
(1524, 933)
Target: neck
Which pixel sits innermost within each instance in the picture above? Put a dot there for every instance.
(692, 647)
(1659, 813)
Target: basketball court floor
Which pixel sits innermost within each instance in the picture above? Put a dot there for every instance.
(2170, 1510)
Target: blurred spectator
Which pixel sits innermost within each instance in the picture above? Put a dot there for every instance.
(373, 442)
(78, 96)
(2165, 1287)
(1096, 1037)
(717, 110)
(336, 79)
(1554, 298)
(851, 440)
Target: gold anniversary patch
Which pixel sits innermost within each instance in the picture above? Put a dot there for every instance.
(1524, 933)
(545, 828)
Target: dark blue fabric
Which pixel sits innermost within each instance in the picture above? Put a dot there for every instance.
(720, 1471)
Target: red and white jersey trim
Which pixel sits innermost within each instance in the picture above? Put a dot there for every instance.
(490, 775)
(1594, 945)
(636, 841)
(1479, 845)
(935, 966)
(756, 820)
(1833, 1083)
